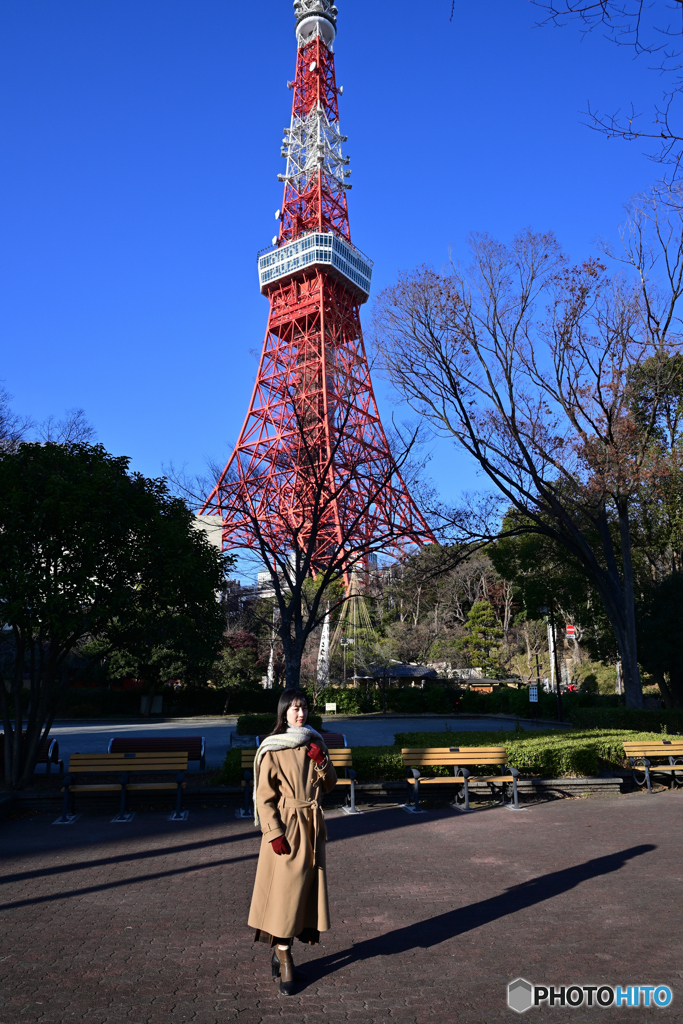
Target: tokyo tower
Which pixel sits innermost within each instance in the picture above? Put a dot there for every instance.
(312, 466)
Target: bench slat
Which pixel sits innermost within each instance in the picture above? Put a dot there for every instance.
(154, 785)
(491, 778)
(92, 763)
(654, 752)
(439, 758)
(94, 788)
(453, 750)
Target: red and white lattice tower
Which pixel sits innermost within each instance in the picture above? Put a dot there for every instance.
(313, 392)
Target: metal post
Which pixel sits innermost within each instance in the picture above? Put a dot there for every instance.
(179, 815)
(466, 775)
(416, 789)
(557, 673)
(64, 820)
(123, 782)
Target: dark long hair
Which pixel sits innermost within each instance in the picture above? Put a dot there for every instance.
(287, 698)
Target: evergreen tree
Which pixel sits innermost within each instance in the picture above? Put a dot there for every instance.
(481, 644)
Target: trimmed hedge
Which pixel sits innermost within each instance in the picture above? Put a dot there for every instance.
(579, 753)
(660, 721)
(261, 725)
(568, 754)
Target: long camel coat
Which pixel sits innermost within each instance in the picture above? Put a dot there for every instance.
(290, 891)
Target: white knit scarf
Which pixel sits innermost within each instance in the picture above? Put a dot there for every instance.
(296, 736)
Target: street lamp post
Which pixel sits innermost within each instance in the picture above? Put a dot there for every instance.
(549, 611)
(344, 643)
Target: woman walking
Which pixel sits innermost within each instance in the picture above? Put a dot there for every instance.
(291, 773)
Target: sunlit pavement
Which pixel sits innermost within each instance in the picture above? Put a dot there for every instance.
(92, 738)
(433, 915)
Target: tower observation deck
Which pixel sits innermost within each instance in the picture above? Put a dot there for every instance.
(312, 437)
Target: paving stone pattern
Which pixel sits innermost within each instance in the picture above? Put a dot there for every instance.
(433, 915)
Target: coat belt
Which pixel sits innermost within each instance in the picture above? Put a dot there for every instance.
(292, 803)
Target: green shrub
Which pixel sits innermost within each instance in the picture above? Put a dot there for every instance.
(628, 718)
(349, 702)
(231, 772)
(378, 764)
(261, 725)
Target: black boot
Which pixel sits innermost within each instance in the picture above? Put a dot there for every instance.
(283, 965)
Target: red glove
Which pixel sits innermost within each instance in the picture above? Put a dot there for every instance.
(280, 846)
(316, 754)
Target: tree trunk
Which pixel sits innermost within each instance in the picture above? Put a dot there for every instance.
(7, 727)
(628, 645)
(664, 689)
(17, 686)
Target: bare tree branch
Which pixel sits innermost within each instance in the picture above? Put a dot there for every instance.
(528, 365)
(73, 428)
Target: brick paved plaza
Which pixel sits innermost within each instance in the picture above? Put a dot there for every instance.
(433, 915)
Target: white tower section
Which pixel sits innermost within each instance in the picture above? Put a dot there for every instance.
(315, 17)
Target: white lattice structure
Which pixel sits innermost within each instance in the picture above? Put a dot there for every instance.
(311, 145)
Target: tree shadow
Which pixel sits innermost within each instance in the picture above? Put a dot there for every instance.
(54, 897)
(432, 931)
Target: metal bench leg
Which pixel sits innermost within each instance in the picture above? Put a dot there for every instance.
(67, 814)
(647, 777)
(352, 809)
(247, 810)
(463, 773)
(415, 808)
(123, 815)
(514, 806)
(179, 814)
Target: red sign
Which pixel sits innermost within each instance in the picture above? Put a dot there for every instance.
(571, 631)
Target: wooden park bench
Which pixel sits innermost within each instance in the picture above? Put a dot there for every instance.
(48, 753)
(458, 758)
(193, 746)
(341, 758)
(639, 753)
(125, 765)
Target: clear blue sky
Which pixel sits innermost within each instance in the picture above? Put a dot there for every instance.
(139, 178)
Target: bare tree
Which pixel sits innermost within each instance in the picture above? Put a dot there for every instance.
(73, 428)
(13, 428)
(653, 31)
(527, 363)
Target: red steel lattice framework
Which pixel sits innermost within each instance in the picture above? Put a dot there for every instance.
(312, 453)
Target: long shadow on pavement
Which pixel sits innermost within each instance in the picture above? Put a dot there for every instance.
(457, 922)
(339, 829)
